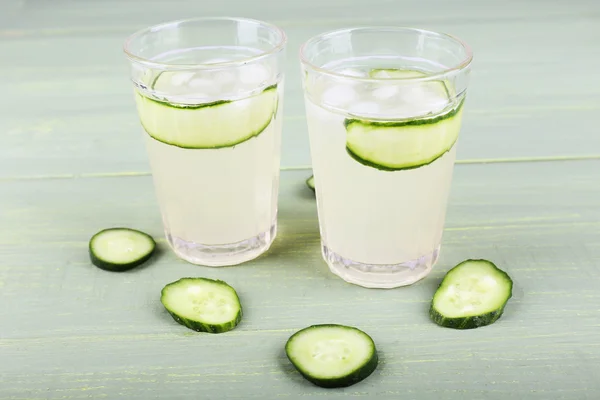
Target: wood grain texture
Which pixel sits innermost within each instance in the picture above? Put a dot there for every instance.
(72, 162)
(63, 17)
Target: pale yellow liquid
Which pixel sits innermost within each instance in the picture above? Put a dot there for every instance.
(372, 216)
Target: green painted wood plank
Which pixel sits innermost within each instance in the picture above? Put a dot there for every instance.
(539, 221)
(169, 368)
(493, 42)
(62, 17)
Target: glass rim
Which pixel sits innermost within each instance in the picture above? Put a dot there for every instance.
(278, 47)
(463, 64)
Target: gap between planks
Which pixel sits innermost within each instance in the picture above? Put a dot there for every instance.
(304, 167)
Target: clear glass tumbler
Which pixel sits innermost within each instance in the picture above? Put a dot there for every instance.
(209, 98)
(384, 108)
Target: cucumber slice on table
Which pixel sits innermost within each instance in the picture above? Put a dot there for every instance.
(410, 143)
(471, 295)
(202, 304)
(120, 249)
(208, 126)
(310, 182)
(332, 355)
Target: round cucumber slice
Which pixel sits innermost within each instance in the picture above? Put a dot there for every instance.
(472, 294)
(393, 146)
(203, 304)
(207, 126)
(120, 249)
(332, 355)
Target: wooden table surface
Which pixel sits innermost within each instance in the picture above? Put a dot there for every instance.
(526, 194)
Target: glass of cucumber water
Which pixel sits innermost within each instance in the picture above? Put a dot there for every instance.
(384, 108)
(209, 98)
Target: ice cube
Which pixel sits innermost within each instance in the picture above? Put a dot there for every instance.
(404, 110)
(253, 74)
(352, 72)
(436, 95)
(421, 99)
(438, 104)
(224, 77)
(201, 83)
(198, 86)
(365, 108)
(409, 93)
(385, 92)
(339, 96)
(180, 78)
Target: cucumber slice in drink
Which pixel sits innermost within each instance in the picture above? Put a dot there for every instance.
(332, 355)
(472, 294)
(202, 304)
(120, 249)
(310, 182)
(393, 146)
(407, 143)
(207, 126)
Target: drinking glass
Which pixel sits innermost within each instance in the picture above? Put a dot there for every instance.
(384, 108)
(209, 98)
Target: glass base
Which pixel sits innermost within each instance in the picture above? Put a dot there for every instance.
(382, 276)
(224, 254)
